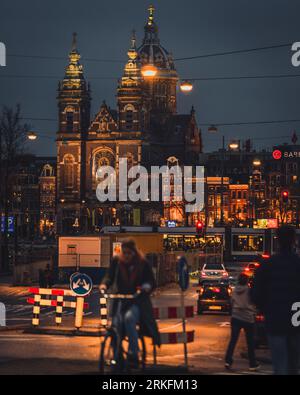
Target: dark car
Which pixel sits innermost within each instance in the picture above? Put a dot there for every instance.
(214, 297)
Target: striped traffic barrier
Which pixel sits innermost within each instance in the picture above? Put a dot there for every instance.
(103, 310)
(182, 312)
(161, 313)
(59, 303)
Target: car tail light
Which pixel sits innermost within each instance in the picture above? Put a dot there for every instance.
(260, 318)
(216, 290)
(203, 274)
(265, 256)
(224, 273)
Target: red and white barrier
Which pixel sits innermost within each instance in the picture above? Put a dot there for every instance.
(161, 313)
(59, 303)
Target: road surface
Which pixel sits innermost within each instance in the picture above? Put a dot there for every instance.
(23, 353)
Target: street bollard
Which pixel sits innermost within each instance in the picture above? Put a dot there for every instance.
(79, 312)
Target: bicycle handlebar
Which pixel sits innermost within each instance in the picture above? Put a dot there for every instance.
(120, 296)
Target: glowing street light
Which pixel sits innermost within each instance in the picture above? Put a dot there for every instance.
(31, 136)
(256, 162)
(234, 145)
(186, 87)
(149, 71)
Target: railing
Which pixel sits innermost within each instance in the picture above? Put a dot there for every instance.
(78, 261)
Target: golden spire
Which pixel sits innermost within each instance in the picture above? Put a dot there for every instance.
(74, 70)
(132, 53)
(151, 10)
(74, 42)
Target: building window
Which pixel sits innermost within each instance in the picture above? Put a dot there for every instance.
(69, 121)
(248, 243)
(129, 119)
(47, 171)
(69, 171)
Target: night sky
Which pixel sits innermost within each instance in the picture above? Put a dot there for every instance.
(187, 28)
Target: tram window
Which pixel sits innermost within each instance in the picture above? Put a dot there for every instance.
(248, 243)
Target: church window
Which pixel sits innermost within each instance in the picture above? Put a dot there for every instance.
(69, 121)
(129, 119)
(129, 109)
(69, 171)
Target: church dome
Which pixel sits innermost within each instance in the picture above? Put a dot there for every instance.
(151, 51)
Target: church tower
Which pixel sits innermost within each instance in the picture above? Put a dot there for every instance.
(161, 88)
(132, 106)
(74, 119)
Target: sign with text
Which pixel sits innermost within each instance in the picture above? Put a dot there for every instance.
(9, 226)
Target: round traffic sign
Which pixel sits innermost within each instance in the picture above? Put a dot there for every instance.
(81, 284)
(277, 154)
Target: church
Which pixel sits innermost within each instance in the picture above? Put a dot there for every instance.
(145, 128)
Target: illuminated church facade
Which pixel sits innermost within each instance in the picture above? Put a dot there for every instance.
(145, 128)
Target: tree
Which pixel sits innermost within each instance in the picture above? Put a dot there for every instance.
(12, 140)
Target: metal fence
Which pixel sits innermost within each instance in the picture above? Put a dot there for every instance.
(78, 261)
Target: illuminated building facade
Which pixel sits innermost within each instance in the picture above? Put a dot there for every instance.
(145, 129)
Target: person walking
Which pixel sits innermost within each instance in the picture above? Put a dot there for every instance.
(128, 272)
(243, 317)
(276, 289)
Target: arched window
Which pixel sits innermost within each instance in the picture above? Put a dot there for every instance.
(47, 171)
(69, 171)
(129, 117)
(69, 119)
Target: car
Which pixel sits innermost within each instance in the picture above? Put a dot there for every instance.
(213, 271)
(214, 297)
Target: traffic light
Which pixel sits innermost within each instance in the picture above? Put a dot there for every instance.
(200, 228)
(285, 196)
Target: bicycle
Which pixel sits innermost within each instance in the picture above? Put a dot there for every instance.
(113, 351)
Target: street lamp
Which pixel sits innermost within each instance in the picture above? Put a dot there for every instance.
(149, 71)
(256, 162)
(186, 87)
(31, 136)
(234, 145)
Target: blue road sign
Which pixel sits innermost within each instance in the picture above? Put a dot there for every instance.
(9, 226)
(81, 284)
(183, 273)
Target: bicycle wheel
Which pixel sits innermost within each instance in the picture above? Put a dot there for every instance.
(111, 356)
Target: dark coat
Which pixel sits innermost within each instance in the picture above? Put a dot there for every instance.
(114, 279)
(276, 288)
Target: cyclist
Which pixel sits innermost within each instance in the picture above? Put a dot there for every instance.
(127, 273)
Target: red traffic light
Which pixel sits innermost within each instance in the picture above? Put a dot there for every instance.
(285, 196)
(199, 227)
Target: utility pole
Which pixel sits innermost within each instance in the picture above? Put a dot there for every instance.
(222, 181)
